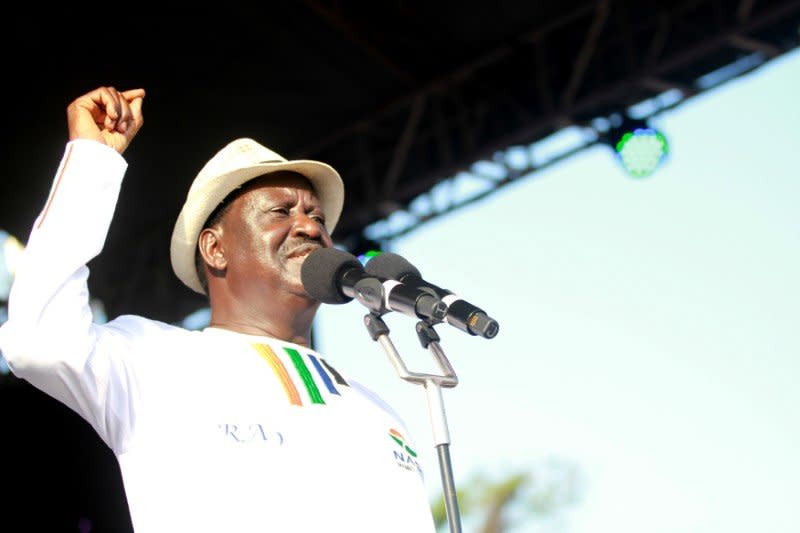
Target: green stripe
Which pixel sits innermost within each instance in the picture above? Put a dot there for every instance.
(305, 375)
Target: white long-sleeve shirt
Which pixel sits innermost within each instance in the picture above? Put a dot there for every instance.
(213, 430)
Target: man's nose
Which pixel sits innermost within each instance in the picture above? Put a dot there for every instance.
(306, 225)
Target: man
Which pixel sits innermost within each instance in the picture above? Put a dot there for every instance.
(241, 426)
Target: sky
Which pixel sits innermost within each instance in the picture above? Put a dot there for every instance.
(648, 350)
(649, 344)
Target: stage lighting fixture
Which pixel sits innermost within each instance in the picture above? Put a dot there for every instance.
(640, 148)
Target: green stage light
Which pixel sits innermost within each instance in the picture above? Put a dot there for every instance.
(365, 249)
(641, 149)
(367, 255)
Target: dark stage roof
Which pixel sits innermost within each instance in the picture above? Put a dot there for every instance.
(396, 95)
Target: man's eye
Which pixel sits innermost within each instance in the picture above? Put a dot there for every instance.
(318, 218)
(280, 210)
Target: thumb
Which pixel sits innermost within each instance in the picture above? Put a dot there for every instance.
(130, 94)
(134, 98)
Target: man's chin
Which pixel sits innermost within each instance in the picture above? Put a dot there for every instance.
(294, 280)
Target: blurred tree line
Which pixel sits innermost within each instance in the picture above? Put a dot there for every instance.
(540, 495)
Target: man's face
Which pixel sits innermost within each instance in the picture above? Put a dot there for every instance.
(268, 231)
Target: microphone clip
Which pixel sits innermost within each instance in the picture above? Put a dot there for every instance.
(371, 294)
(423, 303)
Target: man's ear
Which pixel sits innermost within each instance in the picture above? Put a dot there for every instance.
(210, 245)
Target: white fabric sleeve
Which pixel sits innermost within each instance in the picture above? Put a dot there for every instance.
(49, 338)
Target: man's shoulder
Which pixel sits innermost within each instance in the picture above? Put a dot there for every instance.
(376, 399)
(135, 325)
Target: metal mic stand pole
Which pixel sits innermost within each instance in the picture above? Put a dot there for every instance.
(379, 331)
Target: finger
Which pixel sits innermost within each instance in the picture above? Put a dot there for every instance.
(110, 104)
(130, 109)
(130, 94)
(110, 101)
(125, 115)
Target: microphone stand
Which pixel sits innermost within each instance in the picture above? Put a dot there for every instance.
(370, 292)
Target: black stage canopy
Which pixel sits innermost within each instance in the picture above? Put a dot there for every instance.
(396, 95)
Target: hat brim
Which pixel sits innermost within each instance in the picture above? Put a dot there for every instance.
(325, 180)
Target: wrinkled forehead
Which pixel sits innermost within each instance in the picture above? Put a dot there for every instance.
(282, 185)
(273, 183)
(286, 189)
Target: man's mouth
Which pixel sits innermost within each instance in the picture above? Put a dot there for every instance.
(303, 250)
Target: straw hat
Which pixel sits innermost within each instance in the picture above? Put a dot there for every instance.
(239, 162)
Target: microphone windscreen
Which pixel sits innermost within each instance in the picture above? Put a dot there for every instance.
(391, 266)
(322, 271)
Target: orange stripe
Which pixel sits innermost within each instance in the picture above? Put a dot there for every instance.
(55, 187)
(280, 371)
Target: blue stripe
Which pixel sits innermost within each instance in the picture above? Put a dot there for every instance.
(323, 375)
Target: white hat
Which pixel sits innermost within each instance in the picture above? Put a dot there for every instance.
(239, 162)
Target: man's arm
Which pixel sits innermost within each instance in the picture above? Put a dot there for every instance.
(49, 338)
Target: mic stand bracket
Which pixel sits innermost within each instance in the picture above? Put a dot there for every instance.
(379, 331)
(369, 291)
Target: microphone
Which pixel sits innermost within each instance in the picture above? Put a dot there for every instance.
(333, 276)
(460, 313)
